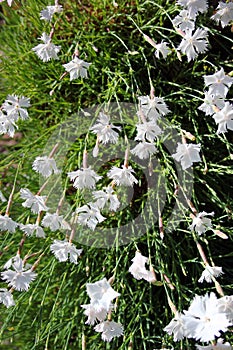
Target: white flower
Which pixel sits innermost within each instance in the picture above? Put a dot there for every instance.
(15, 107)
(224, 13)
(20, 278)
(7, 224)
(64, 250)
(105, 130)
(176, 327)
(55, 222)
(209, 272)
(187, 154)
(225, 305)
(210, 103)
(200, 223)
(144, 149)
(2, 198)
(89, 215)
(47, 50)
(138, 269)
(101, 294)
(194, 6)
(77, 68)
(7, 125)
(218, 346)
(203, 320)
(224, 118)
(84, 178)
(183, 21)
(219, 83)
(109, 330)
(153, 108)
(194, 43)
(162, 49)
(147, 130)
(106, 196)
(45, 166)
(47, 13)
(35, 202)
(30, 229)
(93, 314)
(122, 176)
(6, 297)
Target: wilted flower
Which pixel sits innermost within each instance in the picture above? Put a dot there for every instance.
(105, 131)
(30, 229)
(162, 49)
(187, 154)
(6, 297)
(176, 327)
(200, 223)
(45, 166)
(138, 269)
(194, 43)
(47, 50)
(77, 68)
(109, 330)
(224, 13)
(219, 83)
(224, 118)
(35, 202)
(2, 198)
(47, 13)
(19, 278)
(89, 215)
(106, 196)
(209, 272)
(84, 178)
(122, 176)
(64, 250)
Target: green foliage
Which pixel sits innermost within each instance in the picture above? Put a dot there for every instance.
(49, 315)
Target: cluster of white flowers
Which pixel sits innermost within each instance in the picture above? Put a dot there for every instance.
(151, 109)
(205, 319)
(214, 102)
(13, 109)
(193, 41)
(101, 296)
(47, 51)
